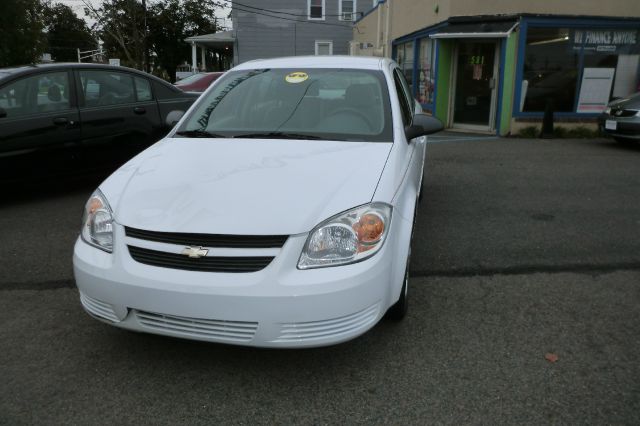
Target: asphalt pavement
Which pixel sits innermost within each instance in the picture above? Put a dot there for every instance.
(525, 309)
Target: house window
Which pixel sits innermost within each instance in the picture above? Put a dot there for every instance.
(324, 48)
(316, 9)
(347, 10)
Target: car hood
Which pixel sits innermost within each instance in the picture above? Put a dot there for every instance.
(243, 186)
(630, 102)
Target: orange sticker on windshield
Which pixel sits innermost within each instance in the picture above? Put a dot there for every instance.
(296, 77)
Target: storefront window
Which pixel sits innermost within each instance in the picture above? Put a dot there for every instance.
(426, 72)
(404, 55)
(576, 70)
(550, 70)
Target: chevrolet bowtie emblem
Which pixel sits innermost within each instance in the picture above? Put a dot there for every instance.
(195, 252)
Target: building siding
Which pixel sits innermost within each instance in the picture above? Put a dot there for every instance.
(260, 36)
(407, 16)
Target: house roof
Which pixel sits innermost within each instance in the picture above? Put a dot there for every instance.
(221, 39)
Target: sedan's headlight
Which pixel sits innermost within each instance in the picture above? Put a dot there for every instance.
(97, 222)
(607, 110)
(349, 237)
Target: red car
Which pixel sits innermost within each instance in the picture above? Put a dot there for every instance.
(198, 82)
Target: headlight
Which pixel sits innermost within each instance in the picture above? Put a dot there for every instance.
(607, 110)
(97, 222)
(349, 237)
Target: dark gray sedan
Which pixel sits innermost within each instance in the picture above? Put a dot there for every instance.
(621, 119)
(52, 110)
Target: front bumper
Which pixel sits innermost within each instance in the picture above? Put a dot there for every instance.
(626, 127)
(279, 306)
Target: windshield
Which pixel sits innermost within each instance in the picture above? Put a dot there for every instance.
(191, 79)
(332, 104)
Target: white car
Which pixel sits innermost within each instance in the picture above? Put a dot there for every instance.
(277, 213)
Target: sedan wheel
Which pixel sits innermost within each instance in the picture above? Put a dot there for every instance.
(399, 309)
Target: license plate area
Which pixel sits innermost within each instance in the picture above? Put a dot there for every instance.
(610, 125)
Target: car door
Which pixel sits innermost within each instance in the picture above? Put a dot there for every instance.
(38, 111)
(414, 155)
(117, 108)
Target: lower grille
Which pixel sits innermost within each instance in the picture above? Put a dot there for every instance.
(233, 331)
(205, 264)
(98, 308)
(315, 330)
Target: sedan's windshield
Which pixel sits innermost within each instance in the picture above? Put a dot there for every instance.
(191, 79)
(333, 104)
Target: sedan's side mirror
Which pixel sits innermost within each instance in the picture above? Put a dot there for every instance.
(3, 113)
(423, 125)
(173, 117)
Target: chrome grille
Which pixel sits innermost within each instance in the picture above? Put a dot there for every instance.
(314, 330)
(233, 331)
(205, 264)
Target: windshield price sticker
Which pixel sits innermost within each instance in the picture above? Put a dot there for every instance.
(296, 77)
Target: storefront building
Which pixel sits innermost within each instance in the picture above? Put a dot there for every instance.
(500, 73)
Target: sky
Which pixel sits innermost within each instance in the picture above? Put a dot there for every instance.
(78, 8)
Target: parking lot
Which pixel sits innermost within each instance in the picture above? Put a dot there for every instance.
(524, 249)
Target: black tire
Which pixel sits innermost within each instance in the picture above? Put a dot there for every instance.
(399, 309)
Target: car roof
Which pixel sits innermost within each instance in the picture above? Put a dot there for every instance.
(357, 62)
(9, 73)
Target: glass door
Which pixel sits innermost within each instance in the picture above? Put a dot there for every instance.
(475, 85)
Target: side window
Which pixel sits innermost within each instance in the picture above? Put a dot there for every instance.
(143, 89)
(40, 93)
(405, 106)
(104, 88)
(53, 92)
(15, 98)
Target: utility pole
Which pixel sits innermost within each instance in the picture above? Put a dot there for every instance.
(145, 45)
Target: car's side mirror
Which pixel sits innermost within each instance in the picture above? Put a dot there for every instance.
(423, 125)
(3, 113)
(173, 117)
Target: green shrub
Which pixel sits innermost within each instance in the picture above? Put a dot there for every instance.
(579, 132)
(529, 132)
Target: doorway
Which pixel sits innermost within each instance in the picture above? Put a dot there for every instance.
(475, 74)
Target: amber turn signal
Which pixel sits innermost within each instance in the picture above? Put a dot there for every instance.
(369, 230)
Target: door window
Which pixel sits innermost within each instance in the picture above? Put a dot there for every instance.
(143, 89)
(104, 88)
(474, 83)
(40, 93)
(406, 104)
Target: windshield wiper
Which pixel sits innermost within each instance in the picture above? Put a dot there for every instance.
(277, 135)
(198, 134)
